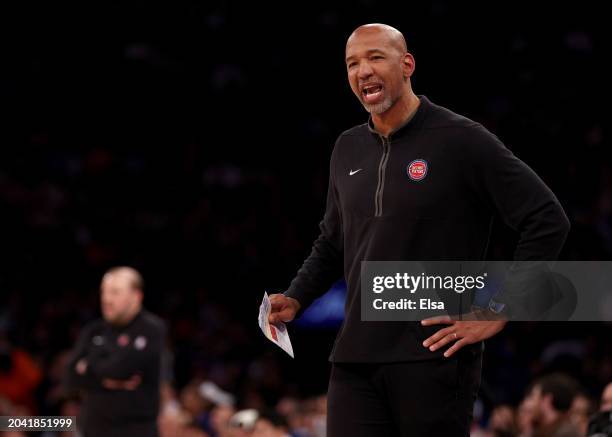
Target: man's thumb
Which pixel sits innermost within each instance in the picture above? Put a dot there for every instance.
(284, 315)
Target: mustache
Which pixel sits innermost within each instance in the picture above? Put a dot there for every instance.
(363, 83)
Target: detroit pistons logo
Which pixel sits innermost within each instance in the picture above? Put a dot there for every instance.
(417, 169)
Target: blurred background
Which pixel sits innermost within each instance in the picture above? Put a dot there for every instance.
(192, 140)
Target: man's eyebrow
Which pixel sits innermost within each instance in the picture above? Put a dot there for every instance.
(369, 52)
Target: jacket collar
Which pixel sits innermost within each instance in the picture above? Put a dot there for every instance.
(415, 120)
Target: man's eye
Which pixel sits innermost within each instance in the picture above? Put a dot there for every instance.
(352, 64)
(377, 57)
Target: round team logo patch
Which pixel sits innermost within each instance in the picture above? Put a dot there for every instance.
(123, 340)
(417, 169)
(140, 342)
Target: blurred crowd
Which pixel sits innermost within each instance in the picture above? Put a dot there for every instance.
(553, 405)
(207, 171)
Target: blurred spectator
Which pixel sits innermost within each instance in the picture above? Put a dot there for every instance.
(503, 422)
(581, 411)
(525, 417)
(552, 396)
(169, 404)
(242, 424)
(19, 375)
(314, 411)
(135, 168)
(211, 392)
(600, 425)
(289, 407)
(8, 409)
(606, 398)
(271, 424)
(219, 420)
(195, 407)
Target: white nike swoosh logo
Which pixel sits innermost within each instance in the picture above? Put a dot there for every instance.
(351, 173)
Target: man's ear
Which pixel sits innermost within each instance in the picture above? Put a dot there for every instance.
(408, 65)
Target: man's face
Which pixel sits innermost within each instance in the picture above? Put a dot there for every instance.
(119, 301)
(534, 402)
(525, 416)
(579, 412)
(377, 70)
(606, 399)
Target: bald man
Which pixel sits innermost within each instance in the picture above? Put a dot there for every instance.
(416, 182)
(117, 361)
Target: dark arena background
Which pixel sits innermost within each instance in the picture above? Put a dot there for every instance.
(192, 141)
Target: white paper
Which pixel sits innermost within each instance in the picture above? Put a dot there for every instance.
(276, 333)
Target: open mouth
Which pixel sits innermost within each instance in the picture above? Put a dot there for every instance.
(372, 93)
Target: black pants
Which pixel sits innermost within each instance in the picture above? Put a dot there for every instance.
(417, 399)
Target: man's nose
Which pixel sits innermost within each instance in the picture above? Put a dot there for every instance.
(365, 70)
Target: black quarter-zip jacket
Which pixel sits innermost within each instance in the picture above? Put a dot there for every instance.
(118, 352)
(429, 191)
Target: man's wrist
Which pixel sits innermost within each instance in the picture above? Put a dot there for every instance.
(498, 310)
(295, 301)
(496, 307)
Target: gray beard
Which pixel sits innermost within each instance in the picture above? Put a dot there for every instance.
(380, 107)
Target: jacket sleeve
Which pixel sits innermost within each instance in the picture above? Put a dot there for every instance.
(323, 266)
(521, 198)
(72, 379)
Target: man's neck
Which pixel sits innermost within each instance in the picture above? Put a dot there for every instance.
(396, 116)
(128, 318)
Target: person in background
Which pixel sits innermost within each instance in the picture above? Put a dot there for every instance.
(219, 420)
(525, 415)
(117, 362)
(503, 422)
(271, 424)
(19, 375)
(606, 398)
(242, 424)
(551, 397)
(581, 411)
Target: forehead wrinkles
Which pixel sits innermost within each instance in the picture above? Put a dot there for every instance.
(367, 51)
(377, 36)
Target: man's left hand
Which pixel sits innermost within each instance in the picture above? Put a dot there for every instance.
(461, 332)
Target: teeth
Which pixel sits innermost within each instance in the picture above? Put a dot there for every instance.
(372, 89)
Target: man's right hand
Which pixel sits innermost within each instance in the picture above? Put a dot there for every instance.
(81, 366)
(283, 308)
